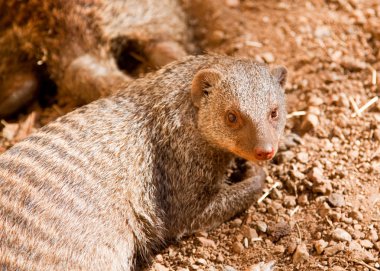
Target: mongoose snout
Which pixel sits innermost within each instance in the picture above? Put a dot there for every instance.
(264, 153)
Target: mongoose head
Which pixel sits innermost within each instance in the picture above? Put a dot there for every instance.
(241, 107)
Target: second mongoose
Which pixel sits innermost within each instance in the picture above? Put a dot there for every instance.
(87, 47)
(111, 183)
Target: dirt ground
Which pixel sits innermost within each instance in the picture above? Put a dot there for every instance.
(324, 213)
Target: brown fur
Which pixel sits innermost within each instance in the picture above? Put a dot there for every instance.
(109, 184)
(78, 41)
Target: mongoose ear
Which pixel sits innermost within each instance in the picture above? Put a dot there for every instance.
(280, 74)
(203, 80)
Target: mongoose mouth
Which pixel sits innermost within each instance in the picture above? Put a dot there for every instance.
(258, 156)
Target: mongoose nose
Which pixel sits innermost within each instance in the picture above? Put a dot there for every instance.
(264, 153)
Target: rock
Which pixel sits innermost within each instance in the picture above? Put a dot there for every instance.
(316, 175)
(295, 173)
(237, 247)
(376, 134)
(373, 235)
(261, 226)
(303, 200)
(279, 249)
(310, 122)
(159, 258)
(353, 64)
(206, 242)
(322, 31)
(268, 57)
(239, 237)
(320, 246)
(201, 234)
(279, 230)
(343, 101)
(220, 258)
(228, 268)
(233, 3)
(332, 250)
(291, 247)
(377, 246)
(337, 268)
(341, 235)
(336, 200)
(320, 184)
(362, 255)
(236, 222)
(291, 140)
(301, 254)
(201, 261)
(335, 216)
(316, 101)
(303, 157)
(245, 242)
(285, 156)
(356, 215)
(366, 243)
(290, 201)
(262, 266)
(248, 232)
(160, 267)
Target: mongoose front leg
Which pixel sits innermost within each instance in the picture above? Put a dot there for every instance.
(229, 201)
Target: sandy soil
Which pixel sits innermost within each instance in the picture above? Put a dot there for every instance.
(325, 213)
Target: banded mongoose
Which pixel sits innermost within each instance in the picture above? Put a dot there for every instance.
(89, 47)
(111, 183)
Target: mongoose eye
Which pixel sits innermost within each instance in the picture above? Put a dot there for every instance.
(274, 113)
(232, 118)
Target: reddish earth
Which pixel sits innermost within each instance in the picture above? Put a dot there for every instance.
(325, 215)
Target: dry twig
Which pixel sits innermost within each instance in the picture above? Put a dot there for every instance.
(268, 192)
(354, 104)
(365, 107)
(296, 114)
(366, 265)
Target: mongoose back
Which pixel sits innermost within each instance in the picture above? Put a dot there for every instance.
(107, 185)
(86, 45)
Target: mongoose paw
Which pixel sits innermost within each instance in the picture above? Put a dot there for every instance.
(242, 169)
(17, 91)
(257, 180)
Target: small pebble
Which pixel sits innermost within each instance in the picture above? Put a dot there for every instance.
(248, 232)
(303, 157)
(309, 123)
(201, 261)
(341, 235)
(160, 267)
(336, 200)
(320, 246)
(237, 247)
(332, 250)
(356, 215)
(228, 268)
(206, 242)
(268, 57)
(301, 254)
(262, 226)
(366, 243)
